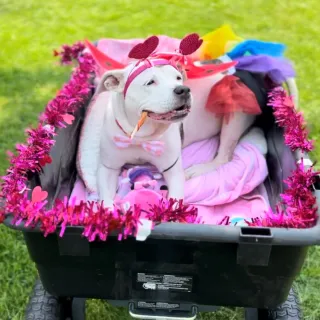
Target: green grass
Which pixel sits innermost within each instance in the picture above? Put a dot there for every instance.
(30, 29)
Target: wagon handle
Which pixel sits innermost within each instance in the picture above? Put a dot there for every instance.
(293, 91)
(144, 315)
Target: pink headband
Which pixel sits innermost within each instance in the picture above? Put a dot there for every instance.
(144, 50)
(146, 64)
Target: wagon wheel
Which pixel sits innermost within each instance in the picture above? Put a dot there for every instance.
(289, 310)
(45, 306)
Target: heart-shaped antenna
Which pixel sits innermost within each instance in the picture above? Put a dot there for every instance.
(143, 50)
(190, 44)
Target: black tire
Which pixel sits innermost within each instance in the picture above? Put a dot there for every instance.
(289, 310)
(44, 306)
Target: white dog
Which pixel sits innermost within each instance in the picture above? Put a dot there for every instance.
(159, 91)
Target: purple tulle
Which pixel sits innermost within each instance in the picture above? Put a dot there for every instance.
(277, 68)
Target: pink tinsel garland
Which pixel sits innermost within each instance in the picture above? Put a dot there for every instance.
(300, 211)
(298, 207)
(287, 117)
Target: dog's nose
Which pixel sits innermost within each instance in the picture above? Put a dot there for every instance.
(182, 91)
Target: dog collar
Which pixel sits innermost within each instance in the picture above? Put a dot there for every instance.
(144, 65)
(120, 127)
(171, 165)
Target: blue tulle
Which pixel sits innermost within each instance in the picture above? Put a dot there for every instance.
(255, 47)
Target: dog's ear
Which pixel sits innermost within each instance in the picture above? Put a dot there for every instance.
(112, 81)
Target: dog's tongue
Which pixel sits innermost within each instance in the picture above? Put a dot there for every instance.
(162, 116)
(169, 115)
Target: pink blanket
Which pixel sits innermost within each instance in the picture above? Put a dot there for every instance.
(233, 190)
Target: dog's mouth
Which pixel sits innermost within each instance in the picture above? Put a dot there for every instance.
(173, 115)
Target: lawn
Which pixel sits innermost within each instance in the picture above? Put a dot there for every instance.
(29, 77)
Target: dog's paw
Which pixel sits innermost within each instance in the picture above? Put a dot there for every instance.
(104, 203)
(176, 205)
(196, 171)
(107, 204)
(93, 196)
(203, 168)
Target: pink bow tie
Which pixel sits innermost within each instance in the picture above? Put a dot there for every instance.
(156, 148)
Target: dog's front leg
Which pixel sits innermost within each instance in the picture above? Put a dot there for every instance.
(175, 181)
(230, 135)
(107, 185)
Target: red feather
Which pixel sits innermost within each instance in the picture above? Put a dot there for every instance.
(143, 50)
(190, 44)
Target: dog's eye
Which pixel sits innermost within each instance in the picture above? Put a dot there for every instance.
(150, 82)
(179, 78)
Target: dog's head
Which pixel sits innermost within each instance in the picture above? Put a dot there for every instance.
(159, 90)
